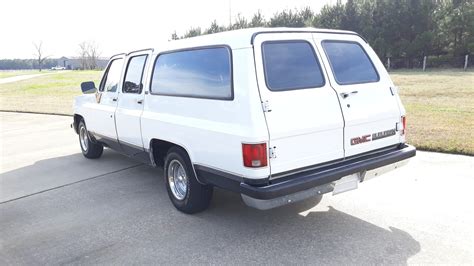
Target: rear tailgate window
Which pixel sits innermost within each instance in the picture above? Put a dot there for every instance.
(291, 65)
(350, 63)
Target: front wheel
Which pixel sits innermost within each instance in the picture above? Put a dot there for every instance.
(89, 149)
(184, 191)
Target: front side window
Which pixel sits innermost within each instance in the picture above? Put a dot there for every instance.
(112, 77)
(350, 63)
(134, 74)
(201, 73)
(291, 65)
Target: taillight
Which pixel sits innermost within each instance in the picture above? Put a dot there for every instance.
(255, 155)
(404, 123)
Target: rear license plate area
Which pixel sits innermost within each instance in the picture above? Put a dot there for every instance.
(346, 183)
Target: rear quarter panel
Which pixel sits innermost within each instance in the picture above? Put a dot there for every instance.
(212, 131)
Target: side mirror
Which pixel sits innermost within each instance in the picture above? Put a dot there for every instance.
(88, 87)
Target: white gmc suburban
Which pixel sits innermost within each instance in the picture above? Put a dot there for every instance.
(276, 115)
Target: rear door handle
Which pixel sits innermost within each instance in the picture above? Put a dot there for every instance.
(114, 99)
(347, 94)
(140, 101)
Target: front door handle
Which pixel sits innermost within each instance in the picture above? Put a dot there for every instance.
(347, 94)
(114, 99)
(140, 101)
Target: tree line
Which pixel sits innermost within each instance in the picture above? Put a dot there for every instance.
(402, 29)
(11, 64)
(88, 58)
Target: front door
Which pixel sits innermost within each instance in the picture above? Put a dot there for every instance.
(102, 121)
(303, 115)
(130, 104)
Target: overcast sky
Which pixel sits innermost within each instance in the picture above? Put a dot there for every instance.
(116, 26)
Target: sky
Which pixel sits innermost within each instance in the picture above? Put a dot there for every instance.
(117, 26)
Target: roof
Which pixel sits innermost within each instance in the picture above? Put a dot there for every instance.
(242, 38)
(236, 39)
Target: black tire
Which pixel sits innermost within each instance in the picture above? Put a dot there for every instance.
(195, 197)
(90, 150)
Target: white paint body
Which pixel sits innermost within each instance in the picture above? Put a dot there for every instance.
(307, 127)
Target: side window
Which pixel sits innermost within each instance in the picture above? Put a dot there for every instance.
(350, 63)
(112, 77)
(291, 65)
(200, 73)
(133, 75)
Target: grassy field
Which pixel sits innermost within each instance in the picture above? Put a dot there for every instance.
(440, 104)
(52, 93)
(440, 109)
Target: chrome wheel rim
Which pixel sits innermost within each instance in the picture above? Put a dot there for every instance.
(177, 180)
(83, 138)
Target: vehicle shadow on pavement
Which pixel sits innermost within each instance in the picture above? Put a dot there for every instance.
(56, 172)
(126, 217)
(326, 237)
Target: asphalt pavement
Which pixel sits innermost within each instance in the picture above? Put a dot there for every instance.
(56, 207)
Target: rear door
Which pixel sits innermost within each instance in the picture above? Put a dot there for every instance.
(370, 107)
(303, 115)
(130, 103)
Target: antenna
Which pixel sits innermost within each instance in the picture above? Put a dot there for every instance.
(230, 13)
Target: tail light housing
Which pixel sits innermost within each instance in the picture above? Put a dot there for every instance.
(255, 155)
(404, 124)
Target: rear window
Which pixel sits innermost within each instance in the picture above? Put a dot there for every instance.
(291, 65)
(200, 73)
(350, 63)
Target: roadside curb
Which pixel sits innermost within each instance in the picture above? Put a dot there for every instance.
(31, 112)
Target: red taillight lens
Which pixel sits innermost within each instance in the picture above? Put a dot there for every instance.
(255, 155)
(404, 123)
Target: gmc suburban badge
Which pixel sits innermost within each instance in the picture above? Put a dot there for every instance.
(374, 136)
(383, 134)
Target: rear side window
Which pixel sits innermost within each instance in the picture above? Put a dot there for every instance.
(291, 65)
(200, 73)
(350, 63)
(134, 74)
(112, 77)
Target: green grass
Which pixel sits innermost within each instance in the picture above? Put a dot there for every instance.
(439, 104)
(440, 109)
(52, 93)
(8, 74)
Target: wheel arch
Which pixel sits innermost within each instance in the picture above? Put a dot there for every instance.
(77, 119)
(158, 149)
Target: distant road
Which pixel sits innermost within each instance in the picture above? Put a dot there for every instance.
(23, 77)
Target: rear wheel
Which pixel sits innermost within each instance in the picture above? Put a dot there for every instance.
(91, 150)
(184, 191)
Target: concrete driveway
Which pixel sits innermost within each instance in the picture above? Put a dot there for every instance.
(60, 208)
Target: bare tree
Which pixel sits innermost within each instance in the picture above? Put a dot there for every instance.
(88, 55)
(93, 54)
(83, 54)
(39, 54)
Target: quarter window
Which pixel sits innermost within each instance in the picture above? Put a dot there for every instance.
(350, 63)
(112, 77)
(201, 73)
(134, 74)
(291, 65)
